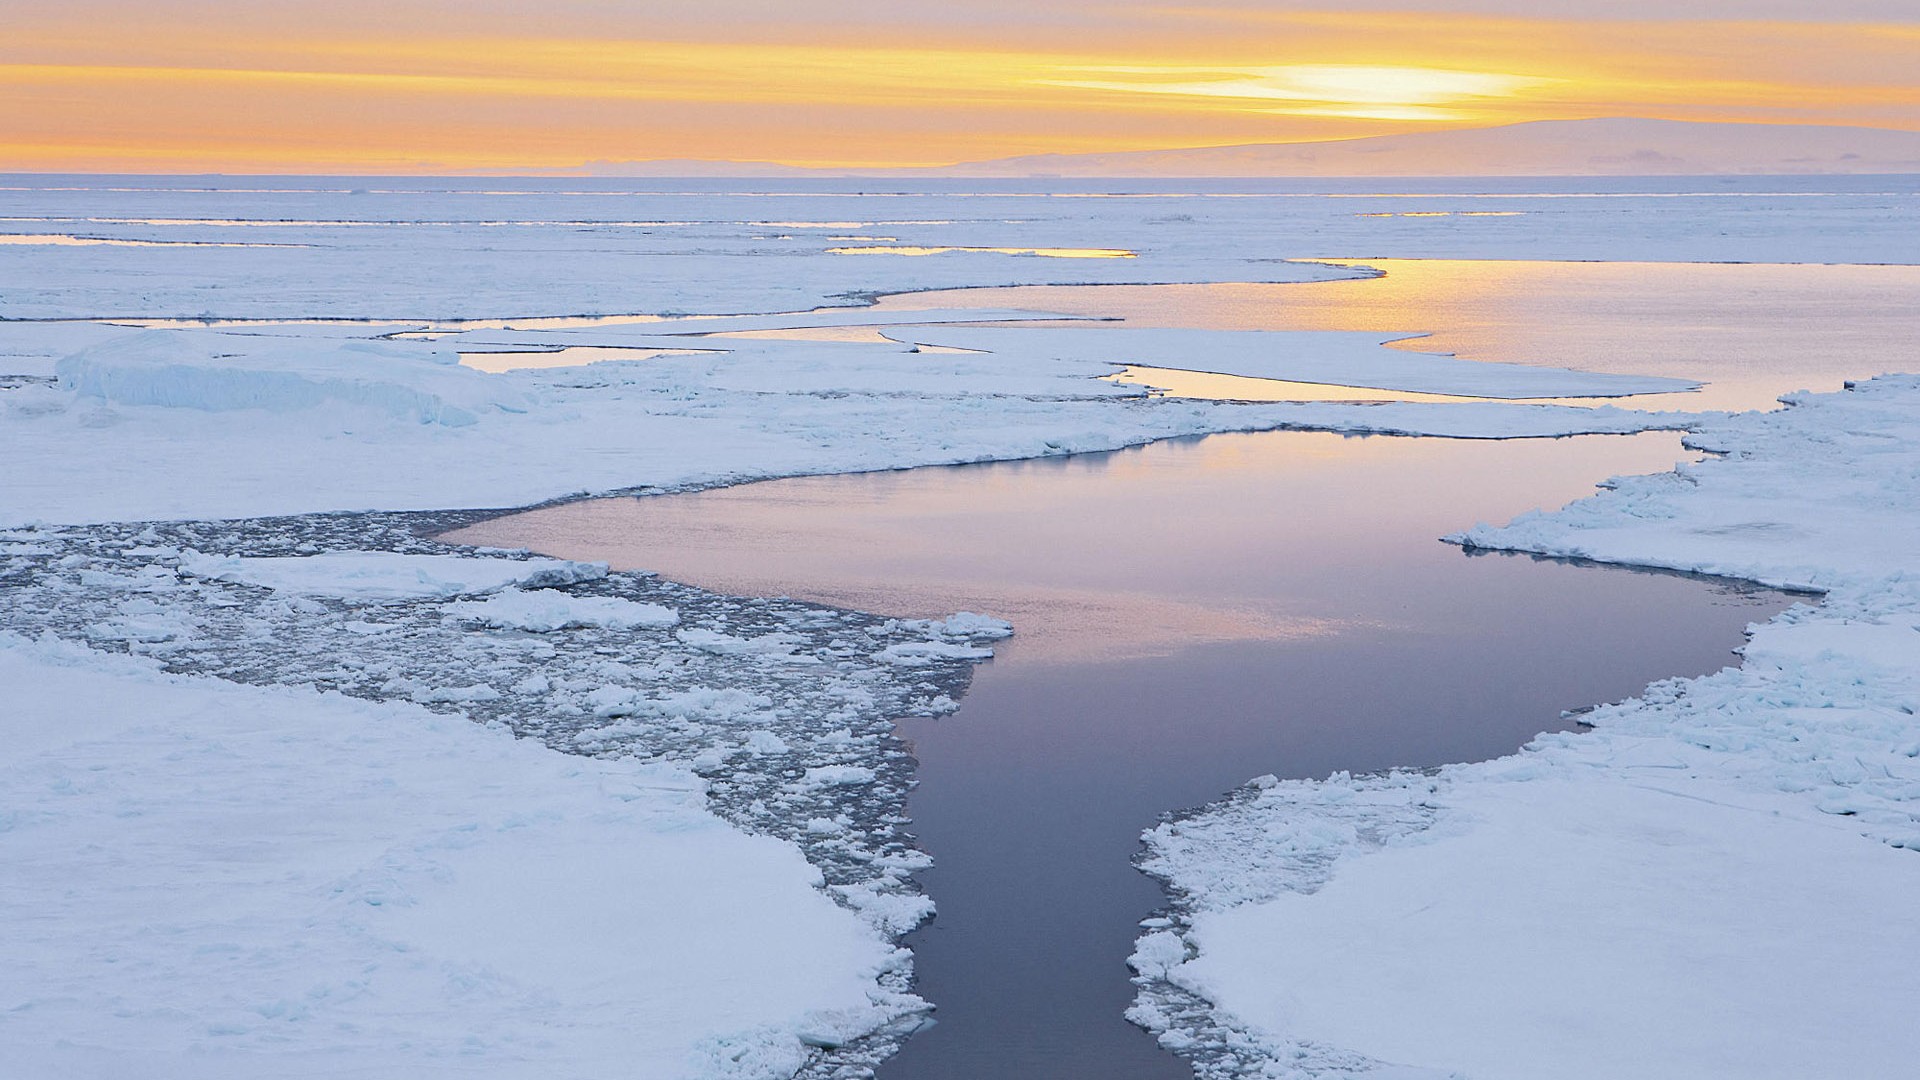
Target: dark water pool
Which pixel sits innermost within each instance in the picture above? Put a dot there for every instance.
(1191, 614)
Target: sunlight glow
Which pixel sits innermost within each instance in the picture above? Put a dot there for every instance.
(106, 85)
(1351, 90)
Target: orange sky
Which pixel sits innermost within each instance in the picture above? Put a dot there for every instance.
(423, 85)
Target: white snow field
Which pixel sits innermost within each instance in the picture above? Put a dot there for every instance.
(349, 877)
(1717, 881)
(441, 248)
(220, 423)
(208, 880)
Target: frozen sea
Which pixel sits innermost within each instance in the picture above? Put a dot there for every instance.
(1186, 613)
(206, 353)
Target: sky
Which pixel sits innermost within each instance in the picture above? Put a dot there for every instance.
(427, 86)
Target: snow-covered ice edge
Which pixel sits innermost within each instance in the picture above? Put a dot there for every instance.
(331, 870)
(1716, 880)
(780, 713)
(201, 424)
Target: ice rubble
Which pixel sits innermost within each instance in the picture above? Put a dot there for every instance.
(1715, 881)
(545, 610)
(381, 575)
(330, 788)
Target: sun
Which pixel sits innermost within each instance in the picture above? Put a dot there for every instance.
(1367, 91)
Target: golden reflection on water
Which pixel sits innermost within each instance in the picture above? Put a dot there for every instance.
(52, 240)
(63, 240)
(1177, 382)
(1751, 331)
(1174, 382)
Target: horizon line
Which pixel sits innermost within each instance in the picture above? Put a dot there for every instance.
(578, 170)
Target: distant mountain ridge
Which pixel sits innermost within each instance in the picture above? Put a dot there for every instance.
(1616, 147)
(1606, 147)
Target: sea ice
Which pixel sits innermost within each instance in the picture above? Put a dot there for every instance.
(1715, 881)
(217, 372)
(443, 249)
(769, 742)
(353, 877)
(543, 610)
(385, 575)
(197, 423)
(918, 653)
(223, 881)
(533, 332)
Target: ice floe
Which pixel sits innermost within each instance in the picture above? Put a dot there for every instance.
(202, 423)
(253, 813)
(544, 610)
(232, 881)
(216, 372)
(382, 576)
(1712, 882)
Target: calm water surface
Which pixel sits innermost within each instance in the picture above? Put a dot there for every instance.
(1751, 331)
(1196, 613)
(1191, 614)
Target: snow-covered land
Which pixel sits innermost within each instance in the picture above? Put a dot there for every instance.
(260, 815)
(1716, 881)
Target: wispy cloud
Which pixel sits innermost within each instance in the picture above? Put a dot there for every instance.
(111, 84)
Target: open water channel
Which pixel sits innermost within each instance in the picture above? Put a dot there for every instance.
(1192, 614)
(1196, 613)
